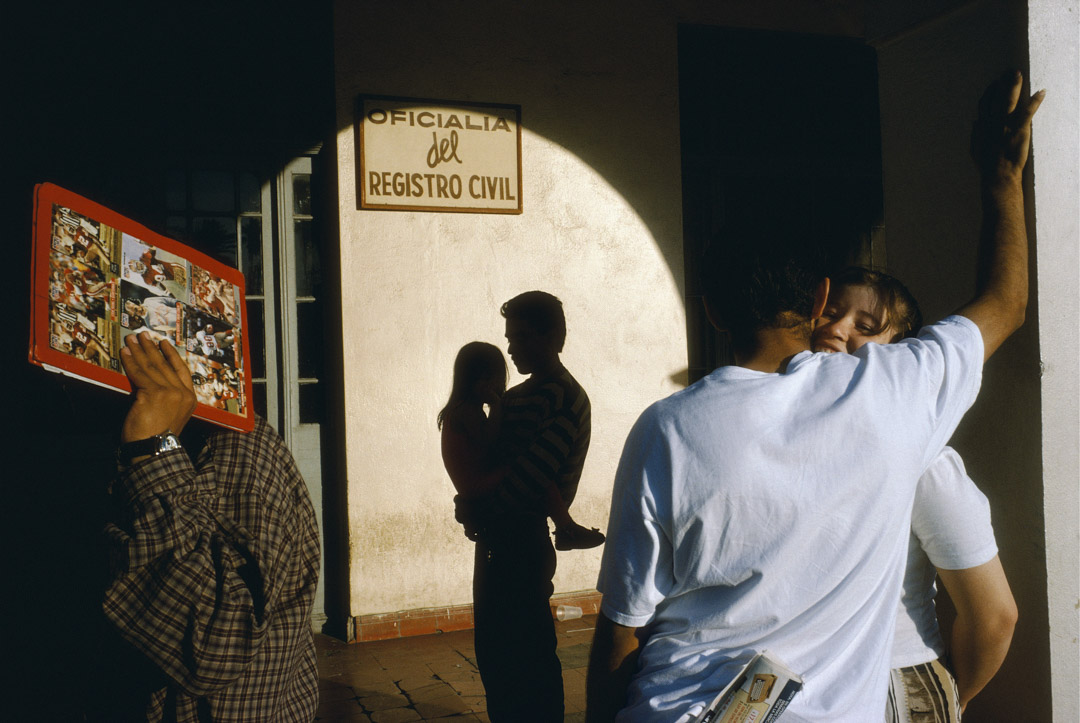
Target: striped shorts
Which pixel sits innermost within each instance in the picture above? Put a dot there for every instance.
(924, 693)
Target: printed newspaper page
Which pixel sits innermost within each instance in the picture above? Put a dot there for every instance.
(759, 694)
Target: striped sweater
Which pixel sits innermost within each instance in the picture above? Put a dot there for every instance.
(545, 436)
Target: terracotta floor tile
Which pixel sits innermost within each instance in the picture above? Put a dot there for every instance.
(574, 684)
(476, 703)
(449, 666)
(574, 656)
(468, 687)
(442, 707)
(371, 688)
(359, 717)
(383, 702)
(390, 677)
(395, 715)
(360, 675)
(414, 671)
(435, 690)
(331, 708)
(334, 691)
(415, 682)
(367, 684)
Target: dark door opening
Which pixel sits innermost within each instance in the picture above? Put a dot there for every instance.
(775, 126)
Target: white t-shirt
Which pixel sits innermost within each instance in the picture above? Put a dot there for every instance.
(756, 511)
(950, 530)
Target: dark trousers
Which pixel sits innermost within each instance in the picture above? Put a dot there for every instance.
(514, 631)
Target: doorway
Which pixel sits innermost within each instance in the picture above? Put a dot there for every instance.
(775, 126)
(266, 224)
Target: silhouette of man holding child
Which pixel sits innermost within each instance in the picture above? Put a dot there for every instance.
(514, 467)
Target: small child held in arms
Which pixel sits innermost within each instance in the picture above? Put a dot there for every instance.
(469, 439)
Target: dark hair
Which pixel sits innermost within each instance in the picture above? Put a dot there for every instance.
(902, 313)
(753, 279)
(542, 311)
(475, 361)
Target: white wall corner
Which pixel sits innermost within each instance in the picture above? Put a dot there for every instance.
(1053, 33)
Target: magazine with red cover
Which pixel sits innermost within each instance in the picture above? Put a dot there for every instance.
(98, 276)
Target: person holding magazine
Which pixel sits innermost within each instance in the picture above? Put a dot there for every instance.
(214, 551)
(951, 534)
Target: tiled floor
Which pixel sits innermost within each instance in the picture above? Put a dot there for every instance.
(429, 677)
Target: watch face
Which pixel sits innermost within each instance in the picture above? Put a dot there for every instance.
(169, 442)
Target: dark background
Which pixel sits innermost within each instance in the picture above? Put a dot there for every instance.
(101, 99)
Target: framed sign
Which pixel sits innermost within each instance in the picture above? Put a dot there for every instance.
(438, 155)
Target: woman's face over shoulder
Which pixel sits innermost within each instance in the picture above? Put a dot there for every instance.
(853, 316)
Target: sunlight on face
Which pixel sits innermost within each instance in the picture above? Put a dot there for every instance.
(853, 317)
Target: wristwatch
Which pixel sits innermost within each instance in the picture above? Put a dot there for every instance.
(153, 446)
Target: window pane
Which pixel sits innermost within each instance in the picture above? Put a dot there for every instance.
(309, 330)
(258, 390)
(256, 337)
(176, 226)
(215, 236)
(251, 258)
(308, 271)
(212, 191)
(301, 183)
(249, 193)
(175, 191)
(311, 404)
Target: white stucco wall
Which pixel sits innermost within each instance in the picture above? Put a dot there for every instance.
(1053, 33)
(598, 97)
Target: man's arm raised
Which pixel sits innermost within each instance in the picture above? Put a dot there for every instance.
(1000, 143)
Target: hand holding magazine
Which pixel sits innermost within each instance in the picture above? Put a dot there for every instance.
(99, 277)
(758, 694)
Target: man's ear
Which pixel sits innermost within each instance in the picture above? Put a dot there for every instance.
(821, 295)
(713, 317)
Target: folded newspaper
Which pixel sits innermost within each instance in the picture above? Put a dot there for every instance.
(759, 693)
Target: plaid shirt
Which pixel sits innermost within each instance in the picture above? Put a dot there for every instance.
(214, 573)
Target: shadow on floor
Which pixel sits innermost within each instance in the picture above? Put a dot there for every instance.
(429, 677)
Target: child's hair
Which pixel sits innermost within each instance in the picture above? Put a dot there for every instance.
(902, 313)
(475, 361)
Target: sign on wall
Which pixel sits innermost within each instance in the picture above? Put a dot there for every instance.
(437, 155)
